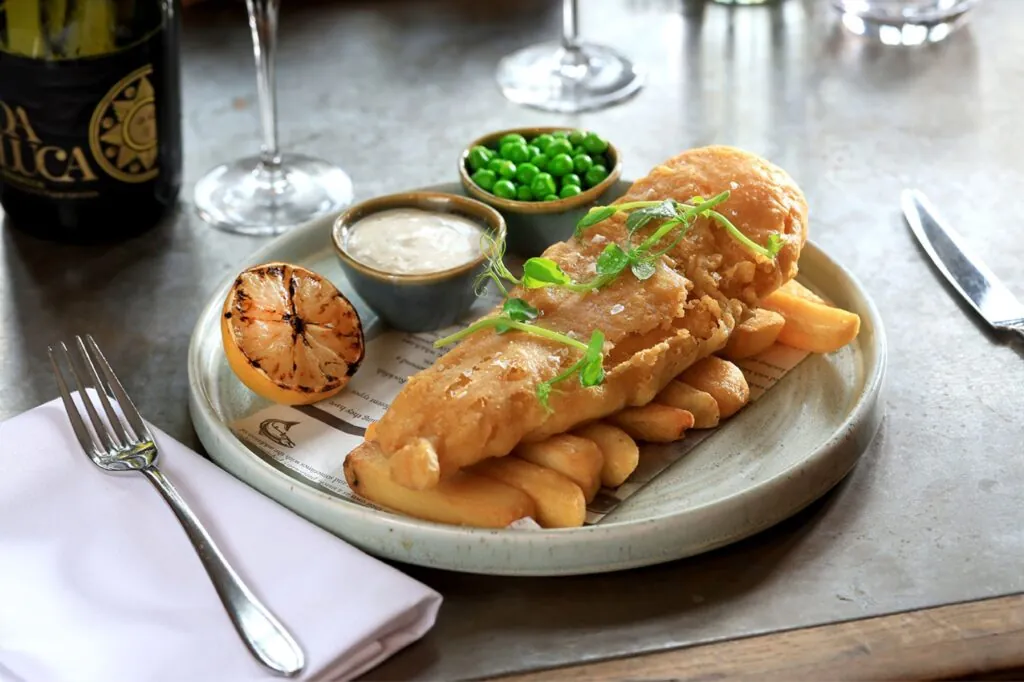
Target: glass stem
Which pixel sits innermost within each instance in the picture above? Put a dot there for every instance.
(263, 24)
(570, 25)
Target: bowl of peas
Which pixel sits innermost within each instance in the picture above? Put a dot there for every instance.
(542, 180)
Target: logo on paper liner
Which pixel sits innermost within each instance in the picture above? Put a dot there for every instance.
(277, 431)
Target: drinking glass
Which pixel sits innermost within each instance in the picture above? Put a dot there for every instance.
(569, 76)
(271, 192)
(904, 22)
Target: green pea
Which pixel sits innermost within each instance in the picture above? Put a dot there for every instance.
(506, 169)
(534, 150)
(524, 193)
(599, 160)
(505, 189)
(567, 191)
(526, 172)
(511, 137)
(578, 149)
(484, 179)
(494, 164)
(595, 144)
(542, 141)
(581, 163)
(540, 161)
(577, 136)
(595, 175)
(560, 134)
(551, 197)
(571, 179)
(478, 157)
(558, 147)
(542, 185)
(560, 165)
(515, 152)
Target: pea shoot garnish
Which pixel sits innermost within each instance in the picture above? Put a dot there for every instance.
(516, 314)
(675, 220)
(590, 368)
(678, 218)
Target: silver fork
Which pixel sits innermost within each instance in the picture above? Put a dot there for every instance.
(127, 445)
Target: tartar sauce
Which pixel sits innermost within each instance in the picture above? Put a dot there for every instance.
(411, 241)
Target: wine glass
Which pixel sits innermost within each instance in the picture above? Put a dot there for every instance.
(269, 193)
(570, 76)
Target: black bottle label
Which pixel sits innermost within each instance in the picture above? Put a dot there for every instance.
(79, 129)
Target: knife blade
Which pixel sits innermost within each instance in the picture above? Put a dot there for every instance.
(964, 270)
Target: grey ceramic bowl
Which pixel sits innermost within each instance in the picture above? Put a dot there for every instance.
(535, 225)
(420, 302)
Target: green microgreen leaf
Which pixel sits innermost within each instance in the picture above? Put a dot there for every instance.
(544, 272)
(640, 217)
(502, 323)
(495, 269)
(612, 260)
(643, 269)
(680, 235)
(591, 373)
(544, 394)
(684, 218)
(594, 216)
(519, 310)
(745, 241)
(774, 244)
(591, 367)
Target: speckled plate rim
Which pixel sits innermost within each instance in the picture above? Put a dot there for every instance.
(590, 549)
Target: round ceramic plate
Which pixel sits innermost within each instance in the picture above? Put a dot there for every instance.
(773, 458)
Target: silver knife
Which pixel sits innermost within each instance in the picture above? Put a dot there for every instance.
(964, 270)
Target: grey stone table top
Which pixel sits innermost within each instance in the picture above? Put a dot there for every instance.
(390, 90)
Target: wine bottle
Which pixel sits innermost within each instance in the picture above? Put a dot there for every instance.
(90, 116)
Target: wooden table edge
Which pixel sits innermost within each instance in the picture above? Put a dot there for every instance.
(979, 639)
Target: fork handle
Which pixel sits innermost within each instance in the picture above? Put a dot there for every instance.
(262, 633)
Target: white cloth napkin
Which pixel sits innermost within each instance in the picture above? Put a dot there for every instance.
(99, 582)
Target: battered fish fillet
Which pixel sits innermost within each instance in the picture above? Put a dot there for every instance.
(763, 199)
(479, 400)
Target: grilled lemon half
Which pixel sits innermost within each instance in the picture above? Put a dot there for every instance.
(290, 335)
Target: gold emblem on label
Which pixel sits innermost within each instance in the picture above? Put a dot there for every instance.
(122, 133)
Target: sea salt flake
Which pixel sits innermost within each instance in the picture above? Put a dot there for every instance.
(617, 308)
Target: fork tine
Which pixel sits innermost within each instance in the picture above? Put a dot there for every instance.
(85, 438)
(120, 435)
(102, 432)
(127, 406)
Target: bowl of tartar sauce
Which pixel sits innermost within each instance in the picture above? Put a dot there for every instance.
(414, 256)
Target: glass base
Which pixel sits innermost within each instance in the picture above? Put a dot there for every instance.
(553, 78)
(250, 197)
(898, 24)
